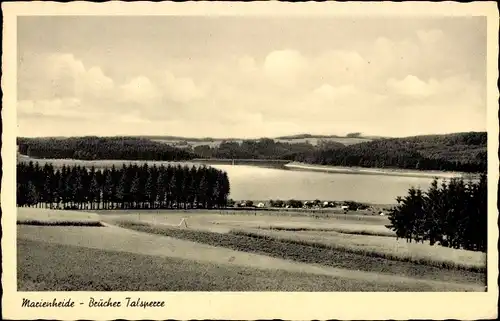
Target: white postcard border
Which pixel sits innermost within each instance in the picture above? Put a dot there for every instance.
(249, 305)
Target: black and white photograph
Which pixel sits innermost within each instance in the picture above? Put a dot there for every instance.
(259, 152)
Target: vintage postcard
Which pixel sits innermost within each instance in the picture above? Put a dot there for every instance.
(261, 160)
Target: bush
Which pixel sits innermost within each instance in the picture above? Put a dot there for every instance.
(452, 215)
(295, 204)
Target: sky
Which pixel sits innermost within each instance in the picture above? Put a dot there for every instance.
(250, 77)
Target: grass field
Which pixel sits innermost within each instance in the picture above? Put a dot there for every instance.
(98, 164)
(360, 234)
(68, 270)
(310, 253)
(304, 249)
(311, 140)
(340, 227)
(383, 247)
(40, 216)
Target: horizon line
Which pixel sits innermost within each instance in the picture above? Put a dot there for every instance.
(288, 136)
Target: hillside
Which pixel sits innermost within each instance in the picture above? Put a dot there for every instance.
(91, 148)
(315, 140)
(133, 148)
(453, 152)
(464, 152)
(301, 136)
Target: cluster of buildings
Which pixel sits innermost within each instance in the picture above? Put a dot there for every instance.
(308, 205)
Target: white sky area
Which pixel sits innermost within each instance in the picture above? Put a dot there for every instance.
(250, 76)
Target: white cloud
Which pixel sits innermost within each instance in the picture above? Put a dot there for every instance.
(339, 66)
(413, 86)
(140, 90)
(64, 65)
(444, 91)
(60, 108)
(132, 117)
(329, 92)
(284, 67)
(181, 89)
(96, 81)
(280, 91)
(61, 75)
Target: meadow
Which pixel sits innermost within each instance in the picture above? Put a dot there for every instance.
(237, 251)
(68, 270)
(97, 164)
(35, 216)
(216, 142)
(364, 235)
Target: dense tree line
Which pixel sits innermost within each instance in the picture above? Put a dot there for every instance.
(91, 148)
(453, 214)
(465, 152)
(306, 136)
(131, 148)
(131, 186)
(253, 149)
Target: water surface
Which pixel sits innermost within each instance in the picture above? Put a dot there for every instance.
(258, 183)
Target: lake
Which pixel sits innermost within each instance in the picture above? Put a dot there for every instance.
(263, 183)
(258, 183)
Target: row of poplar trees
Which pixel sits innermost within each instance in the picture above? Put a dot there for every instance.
(452, 214)
(128, 187)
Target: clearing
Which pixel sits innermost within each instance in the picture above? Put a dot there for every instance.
(220, 252)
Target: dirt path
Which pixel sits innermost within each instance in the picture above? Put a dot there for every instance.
(122, 240)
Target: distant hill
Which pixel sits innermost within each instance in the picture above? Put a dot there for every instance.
(452, 152)
(315, 140)
(178, 138)
(93, 148)
(301, 136)
(465, 152)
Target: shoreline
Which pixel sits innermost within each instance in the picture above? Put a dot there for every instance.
(374, 171)
(264, 163)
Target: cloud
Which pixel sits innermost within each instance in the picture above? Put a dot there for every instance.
(63, 67)
(331, 93)
(445, 91)
(140, 90)
(132, 117)
(284, 67)
(96, 81)
(181, 89)
(69, 108)
(413, 86)
(339, 66)
(279, 91)
(60, 75)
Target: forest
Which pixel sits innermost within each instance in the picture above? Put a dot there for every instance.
(92, 148)
(254, 149)
(134, 148)
(453, 214)
(129, 187)
(464, 152)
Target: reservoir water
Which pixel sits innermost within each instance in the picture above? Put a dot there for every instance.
(260, 183)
